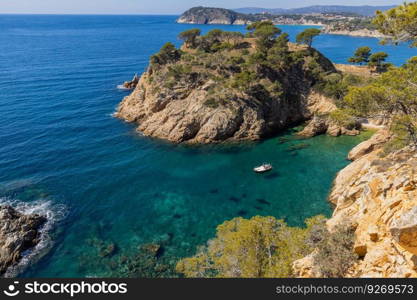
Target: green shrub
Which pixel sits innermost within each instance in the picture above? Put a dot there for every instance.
(343, 118)
(212, 103)
(167, 54)
(334, 250)
(257, 248)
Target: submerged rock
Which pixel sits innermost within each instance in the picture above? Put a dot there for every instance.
(18, 233)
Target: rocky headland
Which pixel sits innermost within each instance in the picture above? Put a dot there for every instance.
(209, 15)
(18, 233)
(338, 24)
(216, 94)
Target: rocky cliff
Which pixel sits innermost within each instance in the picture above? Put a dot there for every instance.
(18, 234)
(209, 15)
(206, 97)
(378, 194)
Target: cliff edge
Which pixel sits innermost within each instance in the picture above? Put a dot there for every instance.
(378, 195)
(221, 90)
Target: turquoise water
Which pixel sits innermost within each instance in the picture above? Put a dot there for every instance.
(62, 153)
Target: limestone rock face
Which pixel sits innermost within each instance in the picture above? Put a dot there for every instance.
(320, 125)
(379, 196)
(370, 145)
(188, 112)
(316, 126)
(18, 233)
(208, 15)
(132, 83)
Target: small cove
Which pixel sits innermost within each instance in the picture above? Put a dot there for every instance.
(63, 152)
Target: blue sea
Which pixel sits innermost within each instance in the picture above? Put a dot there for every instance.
(63, 154)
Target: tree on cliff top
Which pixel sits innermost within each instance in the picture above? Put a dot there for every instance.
(265, 33)
(307, 36)
(377, 60)
(190, 36)
(361, 55)
(167, 54)
(392, 95)
(399, 23)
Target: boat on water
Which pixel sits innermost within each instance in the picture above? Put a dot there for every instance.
(263, 169)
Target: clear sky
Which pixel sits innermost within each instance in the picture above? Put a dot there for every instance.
(158, 6)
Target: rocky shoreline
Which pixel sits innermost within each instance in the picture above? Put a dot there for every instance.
(19, 233)
(200, 105)
(355, 33)
(377, 193)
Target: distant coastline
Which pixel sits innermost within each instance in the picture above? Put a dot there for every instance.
(331, 23)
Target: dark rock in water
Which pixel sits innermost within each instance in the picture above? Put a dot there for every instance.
(263, 202)
(259, 208)
(214, 191)
(272, 175)
(108, 250)
(132, 84)
(283, 140)
(244, 195)
(234, 199)
(242, 212)
(18, 233)
(154, 250)
(297, 147)
(149, 261)
(177, 216)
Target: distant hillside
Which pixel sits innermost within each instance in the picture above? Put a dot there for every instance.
(212, 15)
(365, 10)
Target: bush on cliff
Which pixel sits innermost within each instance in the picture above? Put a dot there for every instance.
(334, 253)
(307, 36)
(257, 248)
(167, 54)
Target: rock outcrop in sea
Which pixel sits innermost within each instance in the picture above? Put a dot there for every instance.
(18, 233)
(130, 85)
(210, 97)
(208, 15)
(378, 194)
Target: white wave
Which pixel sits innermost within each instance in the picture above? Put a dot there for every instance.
(54, 213)
(121, 87)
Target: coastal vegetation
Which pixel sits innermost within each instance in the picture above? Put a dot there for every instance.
(338, 21)
(364, 55)
(257, 81)
(399, 23)
(391, 96)
(262, 68)
(307, 36)
(264, 247)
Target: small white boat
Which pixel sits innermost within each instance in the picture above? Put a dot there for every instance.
(263, 169)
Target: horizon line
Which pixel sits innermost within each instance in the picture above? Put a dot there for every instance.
(86, 14)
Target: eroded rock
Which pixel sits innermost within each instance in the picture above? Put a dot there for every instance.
(18, 233)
